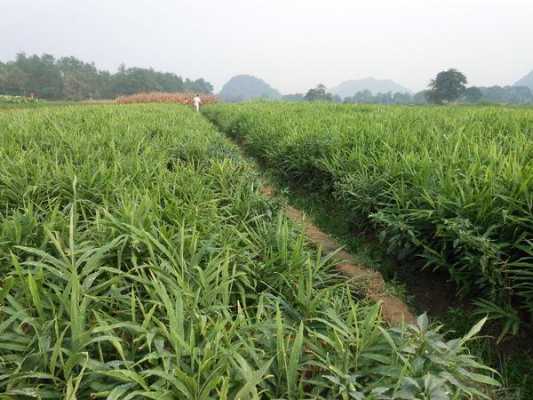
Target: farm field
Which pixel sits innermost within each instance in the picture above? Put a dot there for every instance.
(139, 260)
(449, 187)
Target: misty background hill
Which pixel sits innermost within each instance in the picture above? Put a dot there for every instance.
(247, 87)
(375, 86)
(526, 81)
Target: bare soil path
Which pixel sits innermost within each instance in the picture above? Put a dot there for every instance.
(393, 309)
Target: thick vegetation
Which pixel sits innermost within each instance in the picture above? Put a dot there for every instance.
(139, 261)
(451, 186)
(68, 78)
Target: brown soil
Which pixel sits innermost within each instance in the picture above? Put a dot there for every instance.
(394, 310)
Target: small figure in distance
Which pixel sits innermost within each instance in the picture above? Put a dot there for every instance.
(196, 101)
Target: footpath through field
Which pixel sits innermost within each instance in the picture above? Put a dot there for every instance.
(436, 186)
(369, 281)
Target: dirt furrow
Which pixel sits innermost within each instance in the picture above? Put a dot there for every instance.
(394, 310)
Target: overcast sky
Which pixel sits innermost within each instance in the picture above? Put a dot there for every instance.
(292, 44)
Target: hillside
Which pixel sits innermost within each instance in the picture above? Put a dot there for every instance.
(246, 87)
(349, 88)
(526, 81)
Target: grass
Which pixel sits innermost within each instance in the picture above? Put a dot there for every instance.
(138, 260)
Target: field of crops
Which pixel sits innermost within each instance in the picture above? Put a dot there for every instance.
(452, 186)
(138, 260)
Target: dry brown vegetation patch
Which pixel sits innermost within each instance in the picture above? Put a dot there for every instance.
(162, 97)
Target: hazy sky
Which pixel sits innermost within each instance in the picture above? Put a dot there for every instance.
(292, 44)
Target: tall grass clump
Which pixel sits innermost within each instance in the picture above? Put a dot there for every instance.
(451, 186)
(138, 261)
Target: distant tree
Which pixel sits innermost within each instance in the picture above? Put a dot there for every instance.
(80, 79)
(3, 76)
(366, 97)
(13, 80)
(134, 80)
(421, 97)
(104, 85)
(472, 95)
(363, 97)
(318, 94)
(448, 86)
(383, 98)
(42, 76)
(293, 97)
(519, 95)
(402, 98)
(199, 85)
(70, 78)
(507, 94)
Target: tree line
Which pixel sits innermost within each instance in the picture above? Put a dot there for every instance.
(447, 87)
(69, 78)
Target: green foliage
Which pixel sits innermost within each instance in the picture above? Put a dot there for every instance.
(512, 358)
(507, 94)
(505, 314)
(318, 94)
(472, 95)
(448, 86)
(69, 78)
(5, 99)
(293, 97)
(138, 260)
(366, 97)
(452, 187)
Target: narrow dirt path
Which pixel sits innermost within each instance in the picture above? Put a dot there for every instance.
(393, 309)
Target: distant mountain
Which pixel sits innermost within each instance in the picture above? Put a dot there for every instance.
(349, 88)
(246, 87)
(526, 81)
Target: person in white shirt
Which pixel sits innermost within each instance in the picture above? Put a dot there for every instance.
(196, 101)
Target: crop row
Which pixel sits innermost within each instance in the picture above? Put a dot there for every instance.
(453, 187)
(138, 260)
